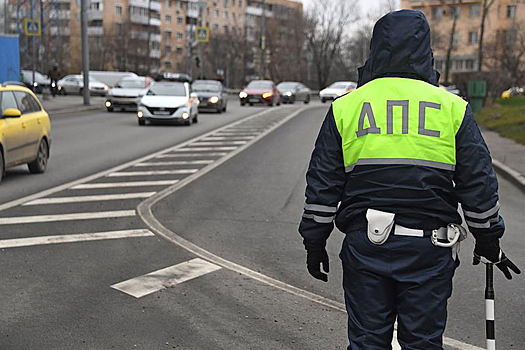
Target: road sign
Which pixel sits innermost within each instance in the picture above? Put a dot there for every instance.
(202, 34)
(32, 27)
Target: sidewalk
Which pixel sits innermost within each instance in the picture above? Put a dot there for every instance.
(67, 104)
(508, 157)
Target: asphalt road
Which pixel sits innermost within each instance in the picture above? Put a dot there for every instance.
(246, 210)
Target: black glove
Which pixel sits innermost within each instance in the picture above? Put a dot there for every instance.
(315, 256)
(492, 252)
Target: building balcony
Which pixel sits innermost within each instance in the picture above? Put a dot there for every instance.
(152, 5)
(138, 19)
(95, 31)
(95, 15)
(154, 22)
(256, 11)
(56, 31)
(62, 14)
(154, 53)
(156, 38)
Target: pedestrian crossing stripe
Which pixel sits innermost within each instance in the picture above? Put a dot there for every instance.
(32, 27)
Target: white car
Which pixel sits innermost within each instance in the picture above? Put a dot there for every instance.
(74, 84)
(168, 102)
(336, 89)
(126, 94)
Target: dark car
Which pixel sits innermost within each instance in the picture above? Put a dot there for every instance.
(211, 95)
(292, 91)
(40, 83)
(260, 91)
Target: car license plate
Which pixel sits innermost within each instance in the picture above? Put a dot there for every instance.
(253, 100)
(162, 113)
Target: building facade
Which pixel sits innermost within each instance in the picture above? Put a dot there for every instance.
(502, 25)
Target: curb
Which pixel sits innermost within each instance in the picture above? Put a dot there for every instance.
(73, 109)
(510, 174)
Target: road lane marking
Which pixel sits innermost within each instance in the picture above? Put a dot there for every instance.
(188, 155)
(192, 148)
(104, 173)
(180, 162)
(97, 198)
(213, 138)
(167, 277)
(67, 217)
(219, 143)
(124, 184)
(144, 210)
(152, 173)
(253, 134)
(72, 238)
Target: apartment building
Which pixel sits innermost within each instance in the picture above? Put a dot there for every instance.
(502, 23)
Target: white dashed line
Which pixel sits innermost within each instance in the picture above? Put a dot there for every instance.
(72, 238)
(168, 277)
(98, 198)
(66, 217)
(124, 184)
(192, 148)
(152, 173)
(191, 155)
(180, 162)
(220, 143)
(213, 138)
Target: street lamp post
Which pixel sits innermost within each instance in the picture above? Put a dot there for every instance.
(263, 41)
(85, 50)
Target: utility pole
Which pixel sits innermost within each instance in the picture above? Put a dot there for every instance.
(85, 50)
(33, 16)
(149, 38)
(263, 41)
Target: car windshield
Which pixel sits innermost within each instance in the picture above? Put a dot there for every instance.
(205, 87)
(338, 86)
(287, 86)
(131, 84)
(259, 85)
(167, 90)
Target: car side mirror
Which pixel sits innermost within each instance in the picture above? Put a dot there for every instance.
(194, 95)
(12, 113)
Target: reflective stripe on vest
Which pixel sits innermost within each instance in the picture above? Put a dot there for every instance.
(399, 121)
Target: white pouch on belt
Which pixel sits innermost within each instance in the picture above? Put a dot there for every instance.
(380, 225)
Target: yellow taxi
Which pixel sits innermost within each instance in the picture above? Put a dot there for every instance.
(24, 130)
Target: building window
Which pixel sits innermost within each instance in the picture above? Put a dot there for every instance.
(167, 35)
(118, 10)
(474, 11)
(167, 64)
(179, 50)
(473, 38)
(215, 27)
(207, 24)
(455, 40)
(225, 3)
(118, 27)
(168, 3)
(225, 29)
(179, 5)
(511, 11)
(180, 36)
(225, 14)
(239, 17)
(436, 13)
(510, 36)
(233, 3)
(168, 19)
(469, 64)
(457, 65)
(233, 16)
(456, 12)
(215, 13)
(240, 3)
(155, 45)
(179, 20)
(439, 65)
(167, 49)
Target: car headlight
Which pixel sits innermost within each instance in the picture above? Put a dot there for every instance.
(185, 115)
(35, 84)
(106, 87)
(108, 104)
(214, 99)
(140, 114)
(289, 93)
(53, 84)
(267, 94)
(243, 94)
(59, 87)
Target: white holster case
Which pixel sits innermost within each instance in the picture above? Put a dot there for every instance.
(380, 225)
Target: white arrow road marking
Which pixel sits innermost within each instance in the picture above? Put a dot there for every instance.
(72, 238)
(98, 198)
(164, 278)
(124, 184)
(219, 143)
(150, 173)
(67, 217)
(178, 162)
(188, 155)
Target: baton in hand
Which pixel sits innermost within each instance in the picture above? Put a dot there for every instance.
(489, 307)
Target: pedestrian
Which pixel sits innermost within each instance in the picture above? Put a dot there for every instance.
(54, 76)
(392, 160)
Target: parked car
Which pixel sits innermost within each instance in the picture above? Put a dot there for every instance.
(512, 92)
(168, 102)
(211, 95)
(41, 81)
(24, 130)
(260, 91)
(292, 91)
(74, 84)
(337, 89)
(127, 93)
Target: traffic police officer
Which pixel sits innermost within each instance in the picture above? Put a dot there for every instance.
(392, 160)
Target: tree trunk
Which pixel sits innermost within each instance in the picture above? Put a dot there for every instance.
(450, 44)
(485, 9)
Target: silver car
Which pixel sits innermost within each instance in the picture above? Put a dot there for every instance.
(74, 84)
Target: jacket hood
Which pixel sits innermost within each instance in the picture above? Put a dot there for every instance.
(400, 47)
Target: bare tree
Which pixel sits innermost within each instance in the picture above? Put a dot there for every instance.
(326, 23)
(453, 12)
(487, 4)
